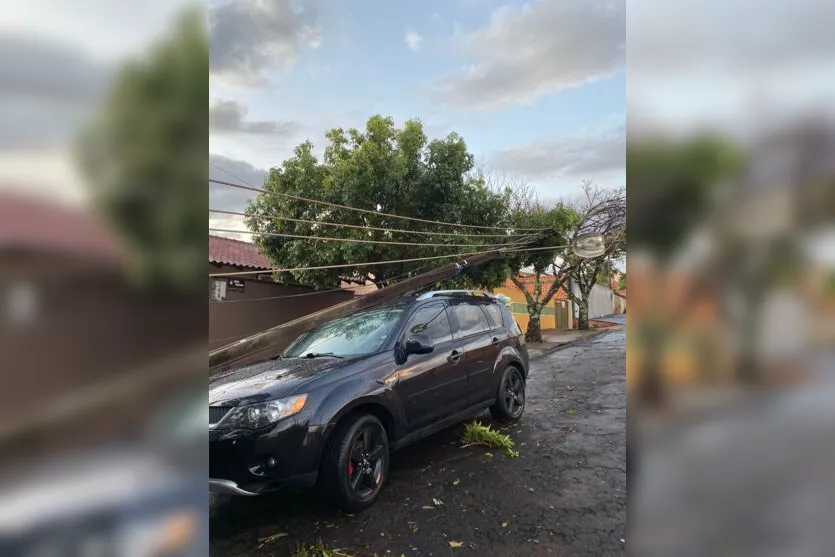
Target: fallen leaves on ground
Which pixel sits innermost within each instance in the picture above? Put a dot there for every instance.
(272, 538)
(456, 545)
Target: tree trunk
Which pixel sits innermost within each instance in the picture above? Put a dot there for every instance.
(748, 368)
(651, 388)
(534, 332)
(583, 320)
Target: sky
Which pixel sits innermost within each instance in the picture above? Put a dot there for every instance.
(536, 89)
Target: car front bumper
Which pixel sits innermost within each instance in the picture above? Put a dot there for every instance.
(245, 462)
(227, 487)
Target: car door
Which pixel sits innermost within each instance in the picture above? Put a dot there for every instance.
(481, 348)
(432, 386)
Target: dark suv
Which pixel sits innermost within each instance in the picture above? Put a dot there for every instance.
(343, 395)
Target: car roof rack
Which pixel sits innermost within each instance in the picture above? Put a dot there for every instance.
(475, 293)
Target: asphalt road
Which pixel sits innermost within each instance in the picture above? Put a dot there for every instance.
(753, 479)
(565, 494)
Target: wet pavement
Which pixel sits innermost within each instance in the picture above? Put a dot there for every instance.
(755, 478)
(565, 494)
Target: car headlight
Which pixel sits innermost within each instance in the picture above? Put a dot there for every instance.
(255, 416)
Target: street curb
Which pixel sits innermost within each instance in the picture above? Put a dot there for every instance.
(570, 343)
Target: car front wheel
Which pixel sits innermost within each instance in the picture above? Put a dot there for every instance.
(356, 464)
(510, 400)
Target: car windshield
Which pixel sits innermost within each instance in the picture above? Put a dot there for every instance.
(355, 335)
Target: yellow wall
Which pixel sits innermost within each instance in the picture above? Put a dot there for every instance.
(521, 315)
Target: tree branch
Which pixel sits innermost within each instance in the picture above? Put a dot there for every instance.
(521, 286)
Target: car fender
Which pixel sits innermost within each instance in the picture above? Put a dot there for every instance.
(508, 356)
(339, 404)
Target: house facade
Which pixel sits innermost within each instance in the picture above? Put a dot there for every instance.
(558, 314)
(242, 305)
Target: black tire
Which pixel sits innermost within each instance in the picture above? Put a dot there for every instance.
(356, 463)
(510, 399)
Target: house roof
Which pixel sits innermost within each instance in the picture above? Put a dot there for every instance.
(238, 253)
(33, 225)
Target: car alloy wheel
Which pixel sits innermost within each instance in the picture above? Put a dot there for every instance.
(513, 393)
(365, 462)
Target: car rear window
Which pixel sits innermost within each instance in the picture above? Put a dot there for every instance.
(471, 319)
(494, 315)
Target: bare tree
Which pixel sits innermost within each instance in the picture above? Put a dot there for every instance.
(603, 211)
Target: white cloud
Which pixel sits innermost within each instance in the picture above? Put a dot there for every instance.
(599, 157)
(53, 72)
(729, 68)
(413, 40)
(535, 49)
(230, 117)
(249, 38)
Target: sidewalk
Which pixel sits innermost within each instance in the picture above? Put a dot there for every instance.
(553, 339)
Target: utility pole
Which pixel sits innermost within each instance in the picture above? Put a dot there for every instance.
(270, 343)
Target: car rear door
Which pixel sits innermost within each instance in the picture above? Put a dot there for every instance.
(481, 348)
(432, 386)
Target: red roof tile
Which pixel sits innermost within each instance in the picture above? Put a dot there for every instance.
(236, 252)
(32, 225)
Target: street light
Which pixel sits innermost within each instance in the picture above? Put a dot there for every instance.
(588, 246)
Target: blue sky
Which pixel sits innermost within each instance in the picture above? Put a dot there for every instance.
(536, 89)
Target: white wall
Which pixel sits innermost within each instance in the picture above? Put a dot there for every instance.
(601, 301)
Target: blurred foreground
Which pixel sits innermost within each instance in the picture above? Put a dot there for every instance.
(731, 329)
(103, 398)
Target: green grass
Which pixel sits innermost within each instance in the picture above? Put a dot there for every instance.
(319, 550)
(476, 433)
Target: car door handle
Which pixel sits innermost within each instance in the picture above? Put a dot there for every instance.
(455, 356)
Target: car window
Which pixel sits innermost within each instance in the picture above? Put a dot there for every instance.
(432, 321)
(355, 335)
(470, 319)
(494, 315)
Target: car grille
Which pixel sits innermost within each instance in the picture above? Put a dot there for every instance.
(216, 413)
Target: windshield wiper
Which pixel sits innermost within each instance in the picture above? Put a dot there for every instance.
(323, 355)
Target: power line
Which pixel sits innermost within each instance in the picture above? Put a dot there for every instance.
(368, 211)
(503, 250)
(341, 266)
(387, 282)
(364, 227)
(352, 240)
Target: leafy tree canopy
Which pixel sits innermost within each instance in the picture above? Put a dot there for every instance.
(383, 169)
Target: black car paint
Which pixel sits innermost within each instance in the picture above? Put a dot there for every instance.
(415, 398)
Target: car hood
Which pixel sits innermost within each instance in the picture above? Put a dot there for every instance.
(273, 379)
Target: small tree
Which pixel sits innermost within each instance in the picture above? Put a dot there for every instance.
(145, 159)
(673, 186)
(549, 269)
(538, 274)
(602, 212)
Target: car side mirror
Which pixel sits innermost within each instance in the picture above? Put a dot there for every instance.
(418, 344)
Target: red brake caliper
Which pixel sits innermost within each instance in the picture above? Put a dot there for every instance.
(350, 469)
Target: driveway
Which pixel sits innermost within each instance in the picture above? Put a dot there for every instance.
(565, 494)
